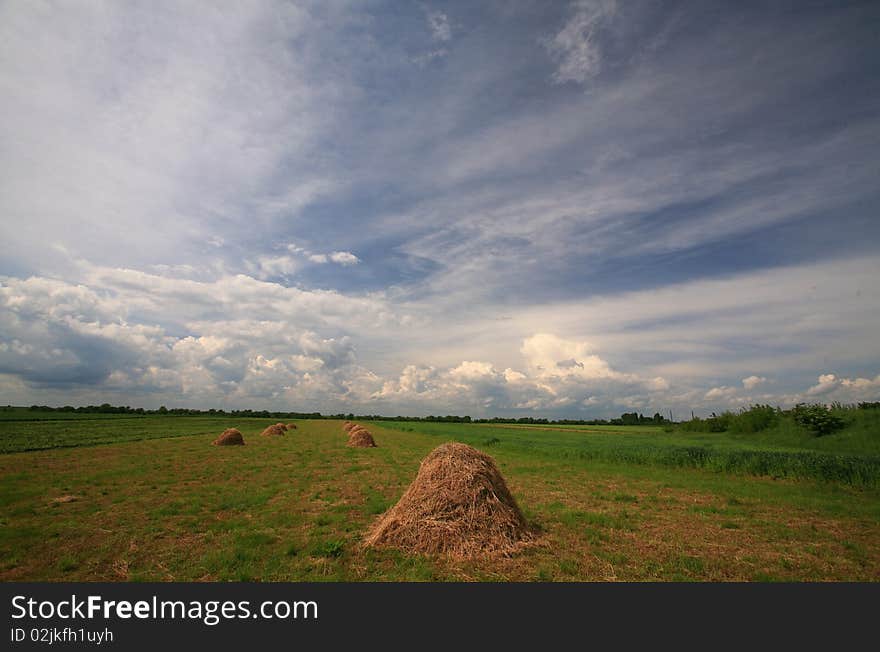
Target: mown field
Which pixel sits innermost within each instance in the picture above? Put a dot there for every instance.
(149, 499)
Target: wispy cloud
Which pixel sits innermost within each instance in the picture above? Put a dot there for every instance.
(575, 47)
(438, 22)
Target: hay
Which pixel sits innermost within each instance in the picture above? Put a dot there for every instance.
(274, 431)
(458, 505)
(348, 425)
(229, 437)
(291, 426)
(282, 426)
(361, 438)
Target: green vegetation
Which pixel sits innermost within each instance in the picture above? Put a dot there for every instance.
(757, 442)
(9, 412)
(90, 429)
(160, 503)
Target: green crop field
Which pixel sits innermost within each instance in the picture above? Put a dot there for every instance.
(147, 498)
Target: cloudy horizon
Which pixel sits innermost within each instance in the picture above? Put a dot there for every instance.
(567, 210)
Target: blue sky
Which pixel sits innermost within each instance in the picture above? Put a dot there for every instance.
(565, 209)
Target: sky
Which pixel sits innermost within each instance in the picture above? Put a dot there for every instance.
(527, 208)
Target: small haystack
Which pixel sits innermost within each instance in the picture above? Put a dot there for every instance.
(361, 438)
(274, 431)
(458, 505)
(229, 437)
(291, 426)
(348, 425)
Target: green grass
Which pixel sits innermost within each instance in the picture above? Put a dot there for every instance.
(74, 430)
(294, 508)
(850, 456)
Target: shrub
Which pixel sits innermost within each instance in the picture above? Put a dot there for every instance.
(755, 419)
(720, 422)
(816, 418)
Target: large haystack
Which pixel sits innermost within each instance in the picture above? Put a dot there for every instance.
(229, 437)
(348, 425)
(274, 430)
(361, 438)
(458, 505)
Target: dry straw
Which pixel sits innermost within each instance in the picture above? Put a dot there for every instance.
(361, 438)
(274, 430)
(458, 505)
(229, 437)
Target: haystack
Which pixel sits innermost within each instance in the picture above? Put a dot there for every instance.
(348, 425)
(458, 505)
(291, 426)
(361, 438)
(229, 437)
(274, 431)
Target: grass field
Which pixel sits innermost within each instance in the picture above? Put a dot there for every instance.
(157, 502)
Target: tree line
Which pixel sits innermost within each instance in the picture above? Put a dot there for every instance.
(625, 419)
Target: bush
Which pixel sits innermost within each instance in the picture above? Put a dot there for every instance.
(816, 418)
(719, 422)
(755, 419)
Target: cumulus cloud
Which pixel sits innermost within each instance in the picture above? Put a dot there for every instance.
(272, 266)
(753, 381)
(234, 338)
(344, 258)
(722, 392)
(557, 373)
(547, 355)
(832, 387)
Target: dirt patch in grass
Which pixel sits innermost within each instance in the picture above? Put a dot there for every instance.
(60, 500)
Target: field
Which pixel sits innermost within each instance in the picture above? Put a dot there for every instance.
(147, 498)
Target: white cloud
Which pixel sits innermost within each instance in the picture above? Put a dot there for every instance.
(575, 46)
(271, 266)
(115, 119)
(831, 387)
(439, 25)
(547, 355)
(344, 258)
(424, 59)
(722, 392)
(235, 338)
(827, 383)
(753, 381)
(582, 379)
